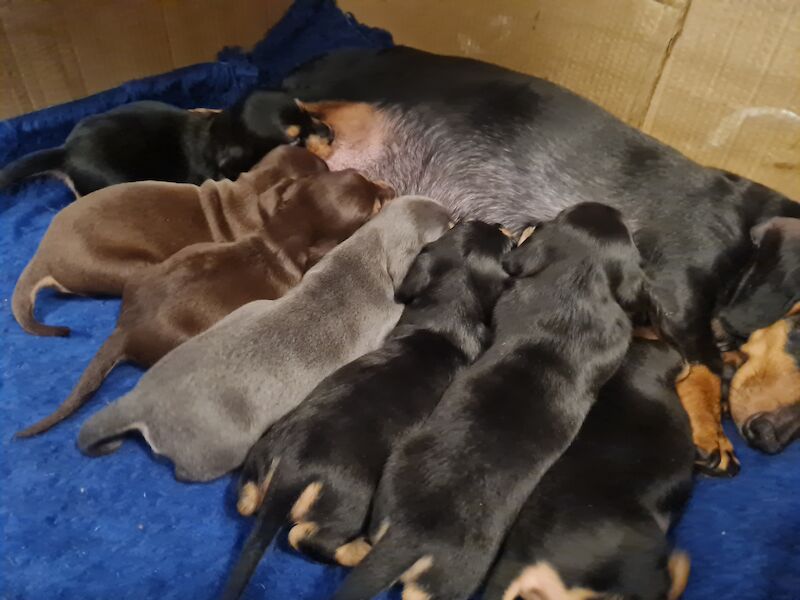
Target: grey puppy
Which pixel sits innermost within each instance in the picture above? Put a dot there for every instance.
(208, 401)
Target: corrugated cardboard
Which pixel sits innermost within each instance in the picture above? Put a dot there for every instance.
(717, 79)
(53, 51)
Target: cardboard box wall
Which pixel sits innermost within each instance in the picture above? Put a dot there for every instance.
(717, 79)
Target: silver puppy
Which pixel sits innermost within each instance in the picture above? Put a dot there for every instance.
(208, 401)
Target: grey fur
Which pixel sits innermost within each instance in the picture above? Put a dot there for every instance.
(205, 403)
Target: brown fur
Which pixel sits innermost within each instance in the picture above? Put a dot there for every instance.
(96, 245)
(166, 304)
(700, 392)
(357, 129)
(769, 379)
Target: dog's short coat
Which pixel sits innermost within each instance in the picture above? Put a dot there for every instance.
(168, 303)
(453, 485)
(208, 401)
(96, 245)
(155, 141)
(598, 517)
(334, 444)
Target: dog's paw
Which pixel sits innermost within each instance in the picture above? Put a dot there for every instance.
(253, 487)
(715, 457)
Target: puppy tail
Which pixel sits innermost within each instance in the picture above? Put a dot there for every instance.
(33, 278)
(109, 355)
(51, 159)
(101, 433)
(273, 513)
(382, 567)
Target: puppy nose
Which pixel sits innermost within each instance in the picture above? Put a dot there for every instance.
(759, 431)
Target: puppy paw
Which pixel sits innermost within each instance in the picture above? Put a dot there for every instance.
(715, 457)
(352, 553)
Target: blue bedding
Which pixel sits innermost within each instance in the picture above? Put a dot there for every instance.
(122, 527)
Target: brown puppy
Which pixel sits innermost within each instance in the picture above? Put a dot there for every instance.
(765, 391)
(166, 304)
(96, 245)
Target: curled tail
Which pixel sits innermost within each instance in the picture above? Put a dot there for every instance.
(33, 278)
(100, 434)
(51, 159)
(273, 513)
(110, 354)
(381, 568)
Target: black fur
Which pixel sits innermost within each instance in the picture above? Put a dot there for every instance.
(342, 433)
(454, 484)
(155, 141)
(769, 287)
(598, 516)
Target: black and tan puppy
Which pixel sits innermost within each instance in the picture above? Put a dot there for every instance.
(155, 141)
(596, 522)
(319, 465)
(453, 486)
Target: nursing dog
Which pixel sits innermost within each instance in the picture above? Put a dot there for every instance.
(595, 525)
(207, 402)
(478, 137)
(320, 464)
(168, 303)
(453, 486)
(95, 246)
(155, 141)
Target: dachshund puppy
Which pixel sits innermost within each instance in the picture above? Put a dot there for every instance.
(166, 304)
(208, 401)
(155, 141)
(95, 246)
(764, 397)
(598, 518)
(453, 486)
(320, 464)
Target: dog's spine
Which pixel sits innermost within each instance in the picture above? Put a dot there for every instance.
(51, 159)
(273, 513)
(110, 354)
(33, 277)
(381, 568)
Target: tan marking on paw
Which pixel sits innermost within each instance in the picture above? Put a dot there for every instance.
(306, 501)
(542, 582)
(526, 233)
(418, 568)
(300, 532)
(381, 531)
(412, 591)
(678, 566)
(292, 132)
(352, 553)
(249, 499)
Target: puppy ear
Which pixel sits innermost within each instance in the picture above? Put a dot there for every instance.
(416, 280)
(525, 260)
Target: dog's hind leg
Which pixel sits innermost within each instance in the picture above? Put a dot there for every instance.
(330, 528)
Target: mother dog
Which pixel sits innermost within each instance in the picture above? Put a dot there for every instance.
(505, 147)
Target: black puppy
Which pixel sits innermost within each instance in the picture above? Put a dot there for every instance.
(320, 464)
(596, 521)
(155, 141)
(452, 487)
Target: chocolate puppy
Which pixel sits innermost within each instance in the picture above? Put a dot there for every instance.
(320, 464)
(596, 522)
(453, 486)
(166, 304)
(96, 245)
(208, 401)
(155, 141)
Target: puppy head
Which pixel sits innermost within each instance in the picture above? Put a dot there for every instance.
(327, 208)
(769, 287)
(292, 162)
(474, 245)
(255, 125)
(765, 391)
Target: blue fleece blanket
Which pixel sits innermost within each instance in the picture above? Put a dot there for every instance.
(122, 527)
